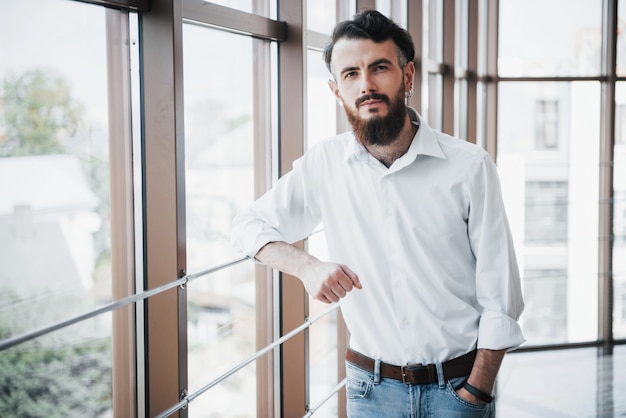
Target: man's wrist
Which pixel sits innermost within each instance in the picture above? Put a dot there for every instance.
(479, 394)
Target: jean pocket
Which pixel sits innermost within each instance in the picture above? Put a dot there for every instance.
(358, 382)
(456, 383)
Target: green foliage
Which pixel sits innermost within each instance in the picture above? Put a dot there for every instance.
(72, 381)
(39, 114)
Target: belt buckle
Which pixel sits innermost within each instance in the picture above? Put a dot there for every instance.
(410, 367)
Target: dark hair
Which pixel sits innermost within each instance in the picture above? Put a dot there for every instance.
(371, 24)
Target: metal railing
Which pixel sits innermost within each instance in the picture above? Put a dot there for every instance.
(190, 397)
(19, 339)
(182, 282)
(312, 410)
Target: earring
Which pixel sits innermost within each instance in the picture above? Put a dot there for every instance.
(409, 94)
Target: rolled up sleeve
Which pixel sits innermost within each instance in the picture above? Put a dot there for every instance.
(498, 285)
(285, 213)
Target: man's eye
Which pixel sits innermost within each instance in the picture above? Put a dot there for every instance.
(350, 74)
(380, 68)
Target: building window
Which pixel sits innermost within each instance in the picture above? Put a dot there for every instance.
(546, 212)
(545, 294)
(546, 124)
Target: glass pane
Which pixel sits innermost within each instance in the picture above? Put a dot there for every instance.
(260, 7)
(219, 133)
(395, 10)
(531, 44)
(619, 214)
(321, 123)
(548, 145)
(321, 103)
(621, 39)
(55, 213)
(432, 101)
(321, 15)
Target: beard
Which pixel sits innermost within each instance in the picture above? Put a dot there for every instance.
(379, 130)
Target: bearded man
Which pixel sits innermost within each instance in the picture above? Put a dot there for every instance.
(421, 255)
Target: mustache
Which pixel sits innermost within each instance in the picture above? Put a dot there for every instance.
(372, 96)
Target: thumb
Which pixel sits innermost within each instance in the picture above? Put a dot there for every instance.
(352, 275)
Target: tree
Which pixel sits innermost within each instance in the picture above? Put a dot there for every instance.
(39, 114)
(63, 381)
(48, 377)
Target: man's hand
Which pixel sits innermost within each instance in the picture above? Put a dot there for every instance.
(468, 396)
(483, 375)
(327, 282)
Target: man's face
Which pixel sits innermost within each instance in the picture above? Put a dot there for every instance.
(370, 84)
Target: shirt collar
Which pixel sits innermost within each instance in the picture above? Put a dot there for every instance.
(424, 142)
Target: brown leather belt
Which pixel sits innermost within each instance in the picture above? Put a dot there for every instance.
(415, 374)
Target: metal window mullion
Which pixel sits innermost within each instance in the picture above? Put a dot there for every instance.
(292, 130)
(448, 76)
(164, 203)
(607, 141)
(122, 211)
(471, 80)
(490, 110)
(365, 5)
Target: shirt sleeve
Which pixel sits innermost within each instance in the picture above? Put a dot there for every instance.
(498, 287)
(286, 213)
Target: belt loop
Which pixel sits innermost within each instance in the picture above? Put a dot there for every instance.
(440, 377)
(376, 371)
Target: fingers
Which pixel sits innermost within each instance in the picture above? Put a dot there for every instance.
(353, 277)
(341, 281)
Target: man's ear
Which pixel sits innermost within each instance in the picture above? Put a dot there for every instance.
(409, 73)
(333, 87)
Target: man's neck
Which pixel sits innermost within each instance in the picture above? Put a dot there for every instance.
(387, 154)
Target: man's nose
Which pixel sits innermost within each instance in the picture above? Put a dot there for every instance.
(367, 83)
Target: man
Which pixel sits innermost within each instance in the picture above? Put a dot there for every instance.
(422, 257)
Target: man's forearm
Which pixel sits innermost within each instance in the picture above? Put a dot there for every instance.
(325, 281)
(285, 257)
(485, 369)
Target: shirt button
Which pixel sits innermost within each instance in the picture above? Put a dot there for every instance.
(405, 322)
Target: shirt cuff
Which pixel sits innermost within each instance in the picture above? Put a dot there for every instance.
(498, 331)
(251, 238)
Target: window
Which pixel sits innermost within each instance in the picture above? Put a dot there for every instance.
(65, 164)
(569, 48)
(219, 175)
(554, 220)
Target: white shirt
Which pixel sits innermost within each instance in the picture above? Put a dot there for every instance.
(428, 238)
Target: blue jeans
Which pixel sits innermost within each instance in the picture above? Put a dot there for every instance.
(371, 396)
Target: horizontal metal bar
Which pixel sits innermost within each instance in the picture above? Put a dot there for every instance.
(316, 40)
(13, 341)
(337, 388)
(233, 20)
(549, 79)
(135, 5)
(194, 276)
(307, 323)
(10, 342)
